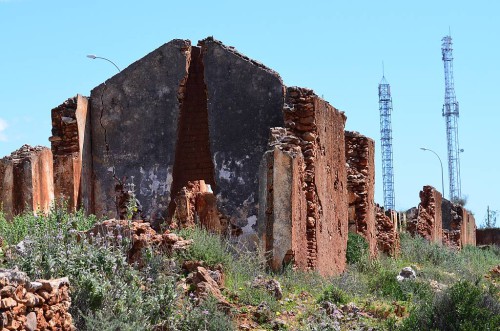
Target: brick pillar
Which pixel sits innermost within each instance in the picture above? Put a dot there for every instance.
(68, 129)
(303, 186)
(361, 186)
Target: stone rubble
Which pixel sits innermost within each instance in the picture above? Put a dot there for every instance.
(139, 235)
(39, 305)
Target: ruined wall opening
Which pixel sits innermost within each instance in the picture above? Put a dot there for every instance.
(193, 160)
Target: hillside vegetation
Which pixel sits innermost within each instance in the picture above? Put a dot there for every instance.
(452, 290)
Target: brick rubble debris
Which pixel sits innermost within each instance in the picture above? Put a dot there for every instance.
(38, 305)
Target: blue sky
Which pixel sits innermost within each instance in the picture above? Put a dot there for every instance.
(333, 47)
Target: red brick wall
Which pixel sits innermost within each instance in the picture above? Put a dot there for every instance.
(361, 187)
(193, 160)
(429, 221)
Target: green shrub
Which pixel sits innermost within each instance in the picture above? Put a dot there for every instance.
(357, 248)
(206, 247)
(206, 316)
(464, 306)
(334, 295)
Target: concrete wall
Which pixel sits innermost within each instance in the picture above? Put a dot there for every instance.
(245, 99)
(361, 187)
(134, 130)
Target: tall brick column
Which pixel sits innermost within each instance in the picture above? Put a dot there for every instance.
(68, 130)
(360, 159)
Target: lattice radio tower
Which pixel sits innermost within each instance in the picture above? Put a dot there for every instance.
(450, 113)
(385, 107)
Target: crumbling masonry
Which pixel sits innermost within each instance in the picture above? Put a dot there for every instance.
(26, 181)
(303, 188)
(361, 187)
(428, 223)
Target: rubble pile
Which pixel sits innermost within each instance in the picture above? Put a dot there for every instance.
(138, 235)
(38, 305)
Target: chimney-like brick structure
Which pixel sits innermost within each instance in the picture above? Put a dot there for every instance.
(429, 221)
(303, 191)
(387, 232)
(68, 130)
(361, 187)
(26, 181)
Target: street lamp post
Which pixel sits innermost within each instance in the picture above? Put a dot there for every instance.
(442, 176)
(93, 57)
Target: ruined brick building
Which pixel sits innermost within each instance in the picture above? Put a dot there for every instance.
(441, 221)
(203, 134)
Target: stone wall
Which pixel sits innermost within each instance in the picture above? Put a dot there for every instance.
(361, 187)
(303, 191)
(429, 221)
(26, 181)
(387, 232)
(39, 305)
(68, 130)
(489, 236)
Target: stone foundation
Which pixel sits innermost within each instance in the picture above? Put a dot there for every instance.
(361, 187)
(303, 190)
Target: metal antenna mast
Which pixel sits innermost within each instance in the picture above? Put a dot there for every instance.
(450, 113)
(385, 107)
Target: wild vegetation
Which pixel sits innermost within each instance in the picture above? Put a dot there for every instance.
(450, 291)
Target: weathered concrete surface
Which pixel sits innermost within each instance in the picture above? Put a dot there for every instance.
(245, 99)
(134, 118)
(429, 221)
(68, 131)
(27, 181)
(283, 206)
(490, 236)
(387, 232)
(303, 195)
(360, 157)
